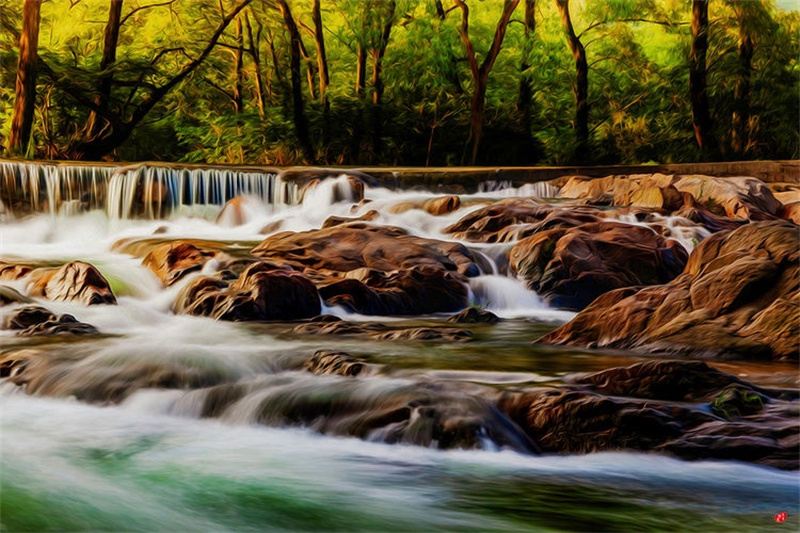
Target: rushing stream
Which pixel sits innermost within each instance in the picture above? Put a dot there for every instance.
(156, 460)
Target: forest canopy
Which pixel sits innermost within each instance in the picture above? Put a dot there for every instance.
(400, 82)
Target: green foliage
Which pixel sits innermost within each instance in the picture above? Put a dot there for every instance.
(638, 82)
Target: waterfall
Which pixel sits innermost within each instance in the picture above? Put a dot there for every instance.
(129, 192)
(506, 189)
(45, 188)
(153, 192)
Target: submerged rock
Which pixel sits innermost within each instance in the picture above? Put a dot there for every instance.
(329, 325)
(571, 267)
(262, 292)
(338, 363)
(76, 281)
(473, 315)
(739, 294)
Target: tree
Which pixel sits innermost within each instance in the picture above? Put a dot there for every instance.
(701, 117)
(25, 99)
(480, 73)
(95, 124)
(581, 84)
(525, 99)
(300, 121)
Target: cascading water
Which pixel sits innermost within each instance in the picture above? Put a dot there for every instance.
(212, 425)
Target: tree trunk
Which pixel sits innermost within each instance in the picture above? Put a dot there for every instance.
(581, 88)
(322, 58)
(741, 95)
(95, 124)
(377, 81)
(480, 74)
(526, 79)
(701, 118)
(300, 122)
(25, 97)
(361, 69)
(255, 54)
(238, 73)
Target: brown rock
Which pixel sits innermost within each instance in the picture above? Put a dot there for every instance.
(473, 315)
(738, 295)
(740, 197)
(426, 334)
(442, 205)
(338, 221)
(262, 292)
(791, 212)
(12, 272)
(73, 282)
(35, 320)
(172, 261)
(338, 363)
(571, 267)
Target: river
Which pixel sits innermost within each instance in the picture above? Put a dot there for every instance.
(154, 460)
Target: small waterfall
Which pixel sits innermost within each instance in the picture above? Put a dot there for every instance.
(506, 189)
(153, 192)
(45, 188)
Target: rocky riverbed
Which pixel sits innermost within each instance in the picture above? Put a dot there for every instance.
(652, 314)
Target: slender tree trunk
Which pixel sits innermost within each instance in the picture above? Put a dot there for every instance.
(377, 81)
(25, 97)
(312, 91)
(361, 69)
(255, 54)
(300, 122)
(322, 58)
(95, 124)
(581, 88)
(480, 73)
(526, 79)
(701, 117)
(741, 95)
(238, 72)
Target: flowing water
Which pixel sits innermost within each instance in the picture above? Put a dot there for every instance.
(246, 443)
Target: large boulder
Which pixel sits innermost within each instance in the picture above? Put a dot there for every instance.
(262, 292)
(571, 267)
(352, 246)
(75, 281)
(740, 197)
(739, 295)
(33, 320)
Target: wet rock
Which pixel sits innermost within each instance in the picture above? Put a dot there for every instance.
(331, 325)
(12, 296)
(700, 214)
(689, 381)
(473, 315)
(74, 282)
(739, 295)
(235, 212)
(35, 320)
(438, 206)
(791, 212)
(338, 363)
(12, 272)
(426, 334)
(262, 292)
(738, 196)
(353, 246)
(485, 224)
(416, 291)
(571, 267)
(350, 189)
(173, 260)
(338, 221)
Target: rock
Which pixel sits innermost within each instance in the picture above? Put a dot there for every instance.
(341, 189)
(262, 292)
(791, 212)
(338, 363)
(473, 315)
(485, 224)
(569, 268)
(173, 260)
(338, 221)
(74, 282)
(740, 422)
(12, 272)
(687, 381)
(442, 205)
(12, 296)
(416, 291)
(349, 247)
(739, 196)
(237, 211)
(426, 334)
(700, 214)
(737, 296)
(665, 199)
(35, 320)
